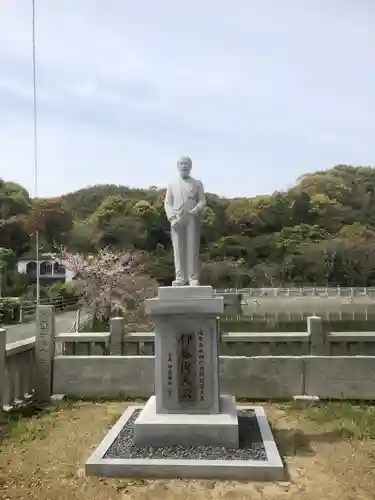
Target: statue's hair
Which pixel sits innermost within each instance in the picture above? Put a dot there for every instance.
(186, 159)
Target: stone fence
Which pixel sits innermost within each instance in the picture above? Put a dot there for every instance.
(299, 308)
(295, 305)
(315, 341)
(310, 291)
(270, 365)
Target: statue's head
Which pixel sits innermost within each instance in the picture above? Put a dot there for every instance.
(184, 165)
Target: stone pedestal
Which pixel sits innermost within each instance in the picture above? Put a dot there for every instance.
(187, 405)
(166, 429)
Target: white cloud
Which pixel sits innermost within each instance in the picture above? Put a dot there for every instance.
(261, 91)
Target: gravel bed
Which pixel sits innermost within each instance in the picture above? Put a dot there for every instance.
(250, 440)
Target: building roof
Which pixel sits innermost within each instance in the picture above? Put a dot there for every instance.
(42, 256)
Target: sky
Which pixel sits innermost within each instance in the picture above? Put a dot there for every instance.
(256, 92)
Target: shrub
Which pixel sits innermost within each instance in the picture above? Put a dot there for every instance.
(9, 309)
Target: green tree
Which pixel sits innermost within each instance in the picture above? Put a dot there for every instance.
(289, 239)
(14, 234)
(52, 219)
(6, 259)
(14, 200)
(111, 207)
(84, 237)
(210, 229)
(118, 226)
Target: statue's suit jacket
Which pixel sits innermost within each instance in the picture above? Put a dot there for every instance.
(182, 196)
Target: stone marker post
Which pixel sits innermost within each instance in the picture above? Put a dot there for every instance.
(44, 352)
(2, 365)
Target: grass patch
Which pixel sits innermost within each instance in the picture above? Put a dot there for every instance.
(31, 421)
(356, 421)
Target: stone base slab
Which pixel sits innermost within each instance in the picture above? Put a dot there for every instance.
(185, 292)
(220, 429)
(196, 300)
(271, 469)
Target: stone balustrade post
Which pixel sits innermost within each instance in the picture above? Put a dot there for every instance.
(318, 338)
(116, 330)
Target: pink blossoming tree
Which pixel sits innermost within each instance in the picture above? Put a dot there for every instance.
(111, 283)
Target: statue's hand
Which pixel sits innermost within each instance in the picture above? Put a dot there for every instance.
(194, 212)
(175, 222)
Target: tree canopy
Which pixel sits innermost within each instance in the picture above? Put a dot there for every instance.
(321, 231)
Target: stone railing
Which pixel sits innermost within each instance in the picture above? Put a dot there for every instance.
(17, 363)
(293, 305)
(314, 341)
(306, 292)
(102, 343)
(83, 344)
(297, 309)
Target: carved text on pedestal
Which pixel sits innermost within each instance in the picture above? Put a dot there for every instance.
(187, 385)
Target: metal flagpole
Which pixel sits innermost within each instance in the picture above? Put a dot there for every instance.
(35, 156)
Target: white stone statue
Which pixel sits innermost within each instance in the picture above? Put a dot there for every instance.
(184, 204)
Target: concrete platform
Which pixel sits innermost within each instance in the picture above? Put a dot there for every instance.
(160, 429)
(266, 466)
(185, 292)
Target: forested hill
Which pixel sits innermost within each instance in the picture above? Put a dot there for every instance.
(322, 231)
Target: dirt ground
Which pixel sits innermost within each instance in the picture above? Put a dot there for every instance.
(329, 454)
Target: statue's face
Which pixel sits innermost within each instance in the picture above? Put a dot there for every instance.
(184, 167)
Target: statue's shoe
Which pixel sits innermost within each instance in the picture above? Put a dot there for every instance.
(194, 283)
(178, 283)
